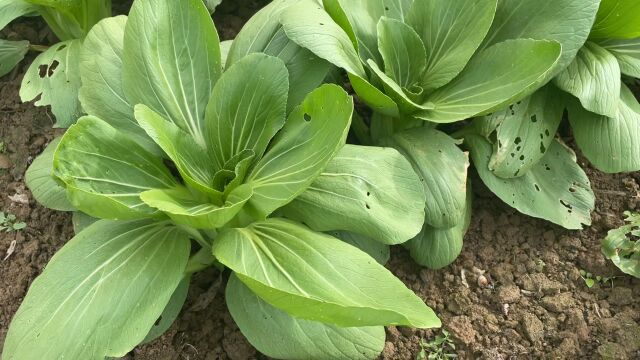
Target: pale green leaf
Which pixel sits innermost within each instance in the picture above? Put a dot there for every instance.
(370, 191)
(556, 189)
(101, 93)
(105, 288)
(494, 78)
(628, 54)
(54, 79)
(524, 132)
(622, 245)
(44, 187)
(185, 208)
(316, 277)
(13, 9)
(307, 24)
(617, 19)
(376, 99)
(565, 21)
(247, 107)
(612, 145)
(594, 78)
(314, 132)
(436, 248)
(172, 60)
(442, 169)
(451, 32)
(377, 250)
(277, 334)
(11, 53)
(170, 312)
(193, 161)
(264, 33)
(105, 171)
(363, 17)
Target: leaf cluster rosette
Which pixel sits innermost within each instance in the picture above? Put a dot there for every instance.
(197, 154)
(421, 65)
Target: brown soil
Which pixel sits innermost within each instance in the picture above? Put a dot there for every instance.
(530, 302)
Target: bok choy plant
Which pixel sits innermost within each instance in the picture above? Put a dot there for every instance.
(53, 78)
(422, 64)
(190, 164)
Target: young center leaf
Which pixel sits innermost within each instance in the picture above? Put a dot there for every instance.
(442, 169)
(556, 189)
(187, 209)
(314, 132)
(309, 26)
(167, 65)
(281, 336)
(44, 188)
(105, 171)
(612, 144)
(246, 110)
(11, 53)
(106, 288)
(316, 277)
(594, 78)
(370, 191)
(495, 77)
(54, 79)
(451, 32)
(264, 33)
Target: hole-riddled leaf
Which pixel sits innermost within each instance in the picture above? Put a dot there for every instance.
(60, 84)
(555, 175)
(366, 190)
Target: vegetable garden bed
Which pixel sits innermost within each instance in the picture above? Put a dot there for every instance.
(521, 287)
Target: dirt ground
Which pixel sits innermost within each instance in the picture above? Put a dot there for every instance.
(516, 291)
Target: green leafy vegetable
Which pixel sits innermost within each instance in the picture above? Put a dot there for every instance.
(11, 53)
(179, 162)
(622, 247)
